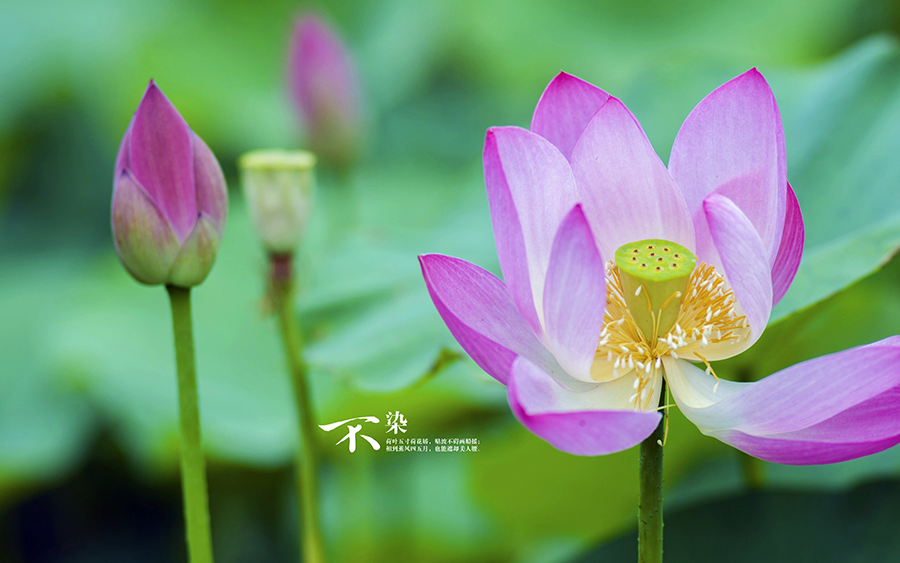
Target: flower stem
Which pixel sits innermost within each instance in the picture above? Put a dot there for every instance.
(753, 468)
(650, 516)
(193, 465)
(342, 207)
(754, 472)
(282, 288)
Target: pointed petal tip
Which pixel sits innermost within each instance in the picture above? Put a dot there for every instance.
(152, 91)
(425, 261)
(563, 76)
(753, 75)
(574, 298)
(564, 109)
(480, 314)
(160, 157)
(153, 94)
(494, 130)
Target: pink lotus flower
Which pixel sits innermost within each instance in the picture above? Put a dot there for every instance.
(169, 197)
(324, 89)
(583, 345)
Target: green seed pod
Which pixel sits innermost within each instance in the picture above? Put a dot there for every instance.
(654, 275)
(278, 188)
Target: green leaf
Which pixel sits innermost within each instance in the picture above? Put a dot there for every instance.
(842, 131)
(45, 423)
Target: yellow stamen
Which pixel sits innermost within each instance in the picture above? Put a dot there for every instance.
(708, 315)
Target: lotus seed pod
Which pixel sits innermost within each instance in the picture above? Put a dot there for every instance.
(654, 276)
(278, 187)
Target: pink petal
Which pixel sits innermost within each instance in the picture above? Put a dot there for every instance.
(574, 296)
(143, 238)
(746, 266)
(212, 193)
(197, 254)
(565, 108)
(530, 189)
(480, 314)
(791, 249)
(628, 193)
(867, 428)
(580, 423)
(828, 409)
(162, 159)
(122, 157)
(733, 144)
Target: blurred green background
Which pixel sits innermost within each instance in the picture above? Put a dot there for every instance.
(88, 435)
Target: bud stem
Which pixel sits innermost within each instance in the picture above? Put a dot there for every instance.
(282, 293)
(650, 509)
(341, 202)
(193, 464)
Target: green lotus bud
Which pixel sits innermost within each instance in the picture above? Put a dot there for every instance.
(278, 188)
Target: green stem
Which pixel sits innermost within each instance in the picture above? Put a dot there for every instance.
(650, 517)
(306, 465)
(341, 206)
(193, 465)
(754, 470)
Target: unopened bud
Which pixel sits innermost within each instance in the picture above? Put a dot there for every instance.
(324, 87)
(169, 197)
(278, 187)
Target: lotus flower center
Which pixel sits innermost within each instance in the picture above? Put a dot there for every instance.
(660, 302)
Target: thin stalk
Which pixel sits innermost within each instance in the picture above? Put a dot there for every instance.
(282, 284)
(193, 464)
(342, 207)
(753, 468)
(650, 515)
(754, 472)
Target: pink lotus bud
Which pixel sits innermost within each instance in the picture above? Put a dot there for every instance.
(324, 88)
(169, 197)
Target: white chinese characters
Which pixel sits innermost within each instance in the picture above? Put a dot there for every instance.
(353, 430)
(396, 422)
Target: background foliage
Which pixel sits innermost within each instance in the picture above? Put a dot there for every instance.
(88, 436)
